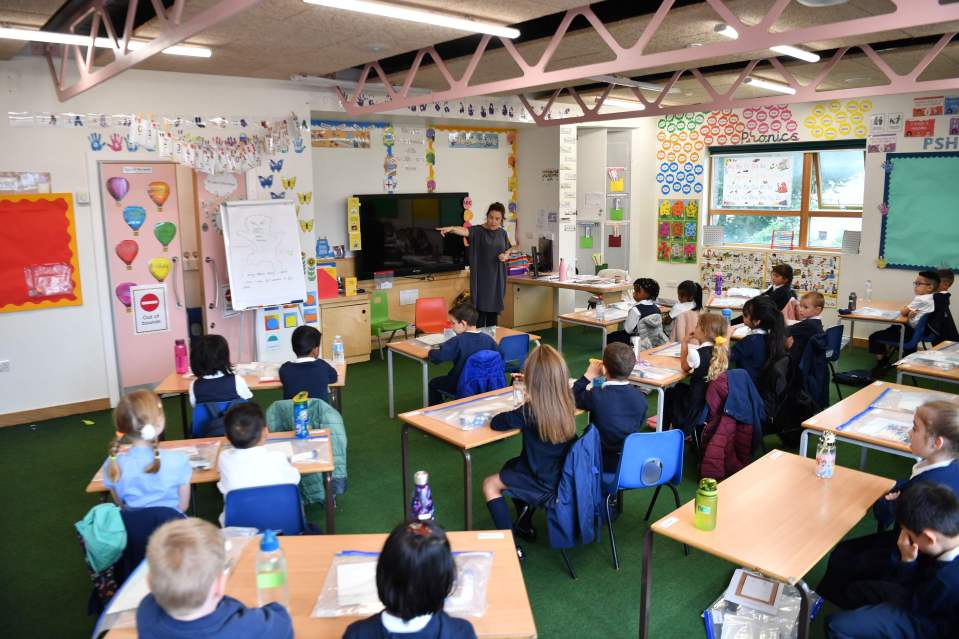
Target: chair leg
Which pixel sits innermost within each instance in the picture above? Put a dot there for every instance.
(612, 539)
(569, 566)
(676, 500)
(379, 344)
(652, 502)
(832, 371)
(619, 501)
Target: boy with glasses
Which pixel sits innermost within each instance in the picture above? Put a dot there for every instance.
(924, 286)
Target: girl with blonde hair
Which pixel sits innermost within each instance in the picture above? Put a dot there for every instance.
(685, 405)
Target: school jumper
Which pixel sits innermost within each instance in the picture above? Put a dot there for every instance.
(617, 409)
(456, 349)
(644, 321)
(865, 558)
(685, 404)
(749, 353)
(230, 620)
(137, 488)
(532, 477)
(383, 625)
(922, 304)
(780, 295)
(684, 320)
(218, 388)
(309, 374)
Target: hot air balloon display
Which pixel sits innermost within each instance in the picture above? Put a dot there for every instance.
(164, 232)
(159, 268)
(124, 295)
(118, 187)
(127, 251)
(158, 192)
(134, 216)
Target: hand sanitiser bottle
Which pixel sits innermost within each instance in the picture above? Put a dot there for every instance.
(271, 584)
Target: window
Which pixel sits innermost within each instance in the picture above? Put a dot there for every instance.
(810, 196)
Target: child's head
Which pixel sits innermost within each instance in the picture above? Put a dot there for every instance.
(306, 341)
(926, 282)
(712, 327)
(946, 278)
(464, 317)
(935, 430)
(761, 312)
(244, 425)
(645, 288)
(690, 291)
(811, 305)
(415, 571)
(547, 384)
(782, 274)
(929, 515)
(186, 558)
(618, 360)
(138, 417)
(209, 355)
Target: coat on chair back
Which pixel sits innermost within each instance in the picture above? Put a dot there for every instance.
(734, 429)
(574, 514)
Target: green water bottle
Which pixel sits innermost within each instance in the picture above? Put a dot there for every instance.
(705, 504)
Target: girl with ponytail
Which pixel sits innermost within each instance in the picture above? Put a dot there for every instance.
(704, 356)
(142, 475)
(684, 315)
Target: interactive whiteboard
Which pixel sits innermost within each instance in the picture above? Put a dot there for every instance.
(262, 253)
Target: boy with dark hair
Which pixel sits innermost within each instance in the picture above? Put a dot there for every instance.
(617, 408)
(644, 320)
(941, 325)
(308, 372)
(920, 599)
(924, 286)
(781, 289)
(457, 349)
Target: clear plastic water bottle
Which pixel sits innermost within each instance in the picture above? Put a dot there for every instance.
(421, 506)
(339, 353)
(867, 294)
(271, 582)
(600, 311)
(180, 357)
(826, 456)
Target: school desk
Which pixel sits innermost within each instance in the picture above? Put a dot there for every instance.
(882, 305)
(463, 440)
(775, 517)
(176, 384)
(308, 558)
(609, 289)
(930, 372)
(212, 474)
(659, 385)
(420, 352)
(719, 302)
(588, 318)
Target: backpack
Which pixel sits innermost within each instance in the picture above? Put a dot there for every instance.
(208, 418)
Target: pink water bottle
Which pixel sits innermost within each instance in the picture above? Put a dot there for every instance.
(562, 270)
(180, 356)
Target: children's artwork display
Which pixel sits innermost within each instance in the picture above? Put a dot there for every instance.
(341, 134)
(677, 233)
(740, 269)
(764, 181)
(811, 272)
(750, 269)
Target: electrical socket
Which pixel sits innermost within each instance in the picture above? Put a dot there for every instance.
(4, 365)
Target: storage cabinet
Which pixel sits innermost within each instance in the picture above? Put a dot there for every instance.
(528, 307)
(351, 321)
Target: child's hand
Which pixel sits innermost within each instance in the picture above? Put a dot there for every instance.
(892, 496)
(908, 550)
(594, 370)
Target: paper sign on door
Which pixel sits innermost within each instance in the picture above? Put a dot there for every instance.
(149, 305)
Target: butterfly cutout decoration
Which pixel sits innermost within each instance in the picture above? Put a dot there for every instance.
(276, 165)
(886, 166)
(883, 208)
(880, 262)
(266, 181)
(305, 198)
(289, 183)
(278, 196)
(306, 225)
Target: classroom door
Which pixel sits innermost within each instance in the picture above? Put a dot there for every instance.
(141, 227)
(218, 316)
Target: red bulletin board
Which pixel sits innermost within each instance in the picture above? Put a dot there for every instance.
(39, 265)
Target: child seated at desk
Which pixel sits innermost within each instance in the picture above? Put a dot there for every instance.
(145, 476)
(187, 579)
(919, 595)
(214, 381)
(644, 319)
(766, 341)
(780, 291)
(934, 439)
(308, 372)
(467, 341)
(704, 361)
(809, 324)
(923, 286)
(941, 325)
(684, 315)
(616, 408)
(415, 573)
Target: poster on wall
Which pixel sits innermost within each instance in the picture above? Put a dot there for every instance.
(757, 181)
(740, 269)
(678, 226)
(149, 304)
(24, 182)
(928, 105)
(920, 128)
(884, 123)
(353, 223)
(811, 272)
(474, 140)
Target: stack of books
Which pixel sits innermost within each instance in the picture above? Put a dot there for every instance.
(517, 265)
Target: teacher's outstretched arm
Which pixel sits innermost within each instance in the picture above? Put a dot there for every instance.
(455, 230)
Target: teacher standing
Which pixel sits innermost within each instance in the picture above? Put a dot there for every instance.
(489, 247)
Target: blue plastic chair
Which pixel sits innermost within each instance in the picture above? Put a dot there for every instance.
(140, 523)
(833, 350)
(514, 349)
(482, 372)
(918, 335)
(276, 507)
(648, 459)
(208, 418)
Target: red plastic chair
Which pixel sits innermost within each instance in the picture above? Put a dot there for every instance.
(430, 315)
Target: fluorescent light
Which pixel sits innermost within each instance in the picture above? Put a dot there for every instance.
(629, 82)
(56, 37)
(771, 86)
(629, 104)
(434, 18)
(726, 30)
(796, 52)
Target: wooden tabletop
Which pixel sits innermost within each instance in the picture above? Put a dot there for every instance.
(589, 318)
(308, 559)
(659, 361)
(931, 371)
(883, 305)
(417, 350)
(737, 305)
(611, 287)
(177, 384)
(212, 474)
(776, 517)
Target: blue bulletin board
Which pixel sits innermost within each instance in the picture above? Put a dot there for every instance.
(921, 226)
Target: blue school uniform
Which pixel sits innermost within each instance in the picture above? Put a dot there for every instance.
(749, 353)
(457, 350)
(218, 388)
(440, 626)
(307, 374)
(138, 489)
(532, 477)
(685, 404)
(617, 409)
(230, 620)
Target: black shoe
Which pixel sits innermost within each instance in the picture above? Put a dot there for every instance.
(526, 534)
(520, 553)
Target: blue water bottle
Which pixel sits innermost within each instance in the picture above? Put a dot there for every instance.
(301, 415)
(727, 315)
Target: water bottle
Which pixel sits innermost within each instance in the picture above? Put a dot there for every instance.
(180, 357)
(707, 499)
(339, 355)
(600, 311)
(852, 301)
(301, 414)
(562, 270)
(727, 315)
(826, 456)
(421, 506)
(634, 340)
(867, 295)
(719, 284)
(271, 584)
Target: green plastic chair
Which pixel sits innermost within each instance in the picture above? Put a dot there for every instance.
(380, 321)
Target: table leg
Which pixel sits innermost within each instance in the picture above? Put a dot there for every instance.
(404, 452)
(805, 601)
(426, 384)
(468, 488)
(605, 335)
(852, 330)
(183, 416)
(804, 442)
(899, 377)
(559, 335)
(862, 458)
(389, 379)
(336, 398)
(902, 339)
(660, 408)
(330, 503)
(646, 586)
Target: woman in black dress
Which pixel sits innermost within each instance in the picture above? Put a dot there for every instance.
(489, 247)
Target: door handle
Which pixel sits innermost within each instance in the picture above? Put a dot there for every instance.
(216, 283)
(176, 288)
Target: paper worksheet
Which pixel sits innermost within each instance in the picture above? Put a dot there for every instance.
(432, 339)
(869, 311)
(356, 585)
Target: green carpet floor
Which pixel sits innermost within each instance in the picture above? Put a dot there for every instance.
(45, 467)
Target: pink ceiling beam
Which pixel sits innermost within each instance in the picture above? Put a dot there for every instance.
(172, 30)
(752, 39)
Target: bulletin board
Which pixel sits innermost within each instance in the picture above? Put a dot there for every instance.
(39, 265)
(677, 227)
(921, 227)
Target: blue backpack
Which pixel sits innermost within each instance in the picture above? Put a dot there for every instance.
(482, 372)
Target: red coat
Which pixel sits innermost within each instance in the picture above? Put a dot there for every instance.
(726, 443)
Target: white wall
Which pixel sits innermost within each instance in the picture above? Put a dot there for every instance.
(537, 151)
